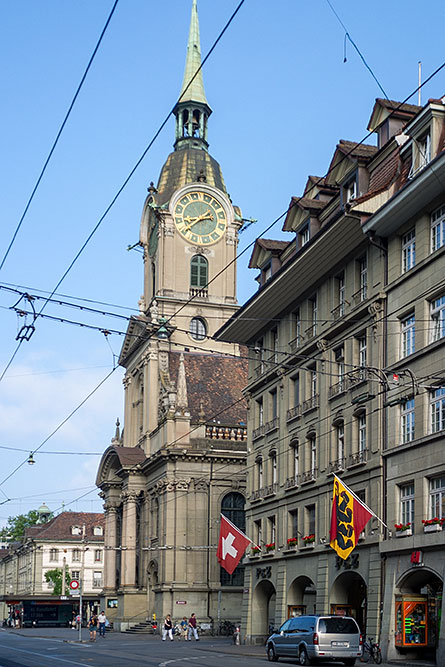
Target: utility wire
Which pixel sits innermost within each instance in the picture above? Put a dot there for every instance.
(67, 115)
(348, 36)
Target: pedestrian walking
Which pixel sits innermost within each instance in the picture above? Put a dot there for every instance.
(92, 625)
(183, 627)
(102, 620)
(168, 628)
(193, 630)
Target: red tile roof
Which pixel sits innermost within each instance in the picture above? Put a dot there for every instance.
(59, 528)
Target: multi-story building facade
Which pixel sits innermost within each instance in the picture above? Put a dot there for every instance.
(181, 458)
(347, 381)
(71, 541)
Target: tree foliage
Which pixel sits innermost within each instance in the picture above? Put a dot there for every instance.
(55, 577)
(16, 525)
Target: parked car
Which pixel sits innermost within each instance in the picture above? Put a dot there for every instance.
(314, 639)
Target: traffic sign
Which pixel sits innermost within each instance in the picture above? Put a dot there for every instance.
(74, 584)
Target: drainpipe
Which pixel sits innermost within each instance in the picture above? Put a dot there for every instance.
(383, 249)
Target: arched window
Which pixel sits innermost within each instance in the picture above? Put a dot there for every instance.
(232, 506)
(199, 272)
(198, 329)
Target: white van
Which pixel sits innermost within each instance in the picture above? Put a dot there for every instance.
(314, 639)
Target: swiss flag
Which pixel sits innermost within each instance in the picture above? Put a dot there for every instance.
(231, 546)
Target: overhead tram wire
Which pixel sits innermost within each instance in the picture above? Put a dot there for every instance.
(267, 228)
(59, 133)
(125, 183)
(62, 423)
(347, 35)
(283, 453)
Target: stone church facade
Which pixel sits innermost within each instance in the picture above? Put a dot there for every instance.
(180, 458)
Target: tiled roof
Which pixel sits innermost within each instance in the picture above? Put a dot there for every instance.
(271, 244)
(384, 174)
(354, 149)
(214, 385)
(129, 456)
(393, 105)
(308, 203)
(59, 528)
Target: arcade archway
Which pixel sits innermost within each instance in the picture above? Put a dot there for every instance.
(263, 609)
(301, 597)
(349, 597)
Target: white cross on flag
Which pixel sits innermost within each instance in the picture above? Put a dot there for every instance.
(231, 546)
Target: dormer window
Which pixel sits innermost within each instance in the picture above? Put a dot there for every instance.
(98, 530)
(304, 235)
(76, 530)
(350, 190)
(424, 146)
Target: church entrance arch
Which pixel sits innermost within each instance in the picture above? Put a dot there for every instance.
(349, 597)
(418, 604)
(301, 597)
(152, 582)
(263, 609)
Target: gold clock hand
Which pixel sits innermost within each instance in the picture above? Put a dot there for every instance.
(193, 221)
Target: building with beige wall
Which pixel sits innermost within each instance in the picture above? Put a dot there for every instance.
(73, 541)
(180, 459)
(347, 331)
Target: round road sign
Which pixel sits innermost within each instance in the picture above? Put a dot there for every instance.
(74, 585)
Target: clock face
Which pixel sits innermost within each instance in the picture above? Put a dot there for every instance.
(200, 218)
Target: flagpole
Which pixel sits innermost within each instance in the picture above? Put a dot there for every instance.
(359, 500)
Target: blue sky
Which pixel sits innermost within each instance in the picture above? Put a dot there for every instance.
(281, 97)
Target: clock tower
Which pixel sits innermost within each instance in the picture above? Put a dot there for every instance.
(189, 227)
(180, 460)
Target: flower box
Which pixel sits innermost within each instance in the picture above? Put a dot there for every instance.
(292, 543)
(270, 547)
(404, 533)
(255, 551)
(432, 527)
(308, 539)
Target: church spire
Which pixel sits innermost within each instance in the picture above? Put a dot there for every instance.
(195, 91)
(192, 110)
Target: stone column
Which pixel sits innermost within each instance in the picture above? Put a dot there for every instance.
(110, 542)
(128, 579)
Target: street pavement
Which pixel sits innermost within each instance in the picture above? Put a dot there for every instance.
(53, 647)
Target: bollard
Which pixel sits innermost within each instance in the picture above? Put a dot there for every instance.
(236, 636)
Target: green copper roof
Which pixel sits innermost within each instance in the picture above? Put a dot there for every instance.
(195, 92)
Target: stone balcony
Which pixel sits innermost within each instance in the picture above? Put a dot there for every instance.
(293, 413)
(358, 458)
(311, 403)
(272, 425)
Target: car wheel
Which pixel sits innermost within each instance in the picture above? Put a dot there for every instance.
(350, 662)
(304, 658)
(271, 655)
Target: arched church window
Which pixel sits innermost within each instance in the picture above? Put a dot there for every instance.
(232, 507)
(199, 271)
(198, 328)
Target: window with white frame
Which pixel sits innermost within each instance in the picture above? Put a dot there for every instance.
(75, 574)
(273, 403)
(198, 328)
(259, 470)
(362, 351)
(361, 425)
(407, 421)
(340, 437)
(438, 228)
(341, 294)
(274, 340)
(98, 530)
(258, 532)
(424, 148)
(293, 523)
(304, 236)
(363, 277)
(295, 461)
(408, 250)
(339, 354)
(438, 318)
(76, 555)
(437, 497)
(313, 454)
(97, 579)
(310, 519)
(407, 343)
(350, 190)
(313, 382)
(297, 326)
(260, 411)
(313, 315)
(407, 503)
(54, 555)
(98, 555)
(76, 530)
(273, 466)
(438, 410)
